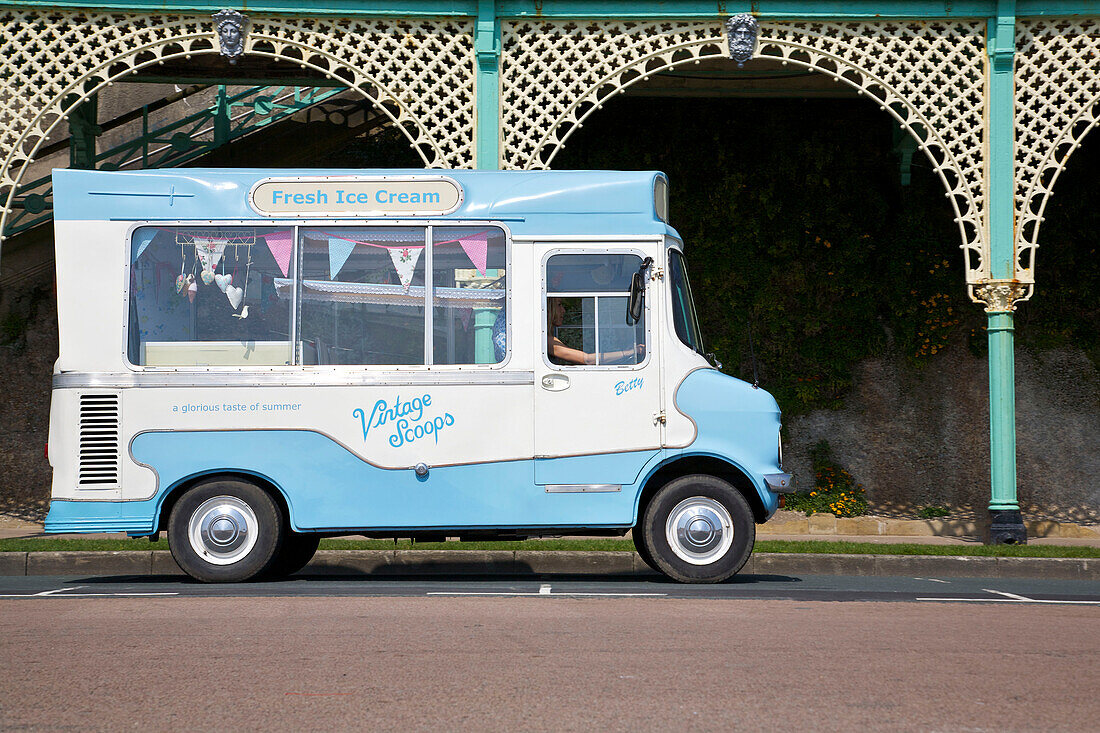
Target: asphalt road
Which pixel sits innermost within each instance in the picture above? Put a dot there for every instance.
(742, 587)
(775, 653)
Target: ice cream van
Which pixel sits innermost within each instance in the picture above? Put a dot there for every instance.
(252, 360)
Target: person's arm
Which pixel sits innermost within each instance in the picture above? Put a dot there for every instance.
(562, 353)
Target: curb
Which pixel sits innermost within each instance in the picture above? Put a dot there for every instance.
(827, 524)
(396, 563)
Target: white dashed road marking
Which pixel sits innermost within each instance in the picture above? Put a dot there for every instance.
(56, 591)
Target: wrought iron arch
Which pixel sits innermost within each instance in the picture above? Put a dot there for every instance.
(52, 63)
(929, 76)
(1057, 105)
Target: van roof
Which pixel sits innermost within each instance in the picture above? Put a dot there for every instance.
(530, 203)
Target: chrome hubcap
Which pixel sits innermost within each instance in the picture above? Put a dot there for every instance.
(699, 530)
(222, 530)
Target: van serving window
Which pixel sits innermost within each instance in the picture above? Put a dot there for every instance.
(586, 307)
(206, 296)
(362, 296)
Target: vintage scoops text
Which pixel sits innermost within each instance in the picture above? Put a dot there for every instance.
(407, 419)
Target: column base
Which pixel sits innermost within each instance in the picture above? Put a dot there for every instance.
(1006, 527)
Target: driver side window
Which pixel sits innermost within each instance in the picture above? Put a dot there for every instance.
(587, 298)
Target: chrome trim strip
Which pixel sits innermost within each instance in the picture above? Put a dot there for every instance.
(625, 240)
(582, 488)
(297, 378)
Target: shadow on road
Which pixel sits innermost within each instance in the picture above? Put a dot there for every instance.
(609, 580)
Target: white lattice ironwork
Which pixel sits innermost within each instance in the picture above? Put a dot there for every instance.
(1057, 103)
(929, 75)
(420, 72)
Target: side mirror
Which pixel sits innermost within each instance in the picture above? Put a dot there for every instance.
(637, 293)
(637, 299)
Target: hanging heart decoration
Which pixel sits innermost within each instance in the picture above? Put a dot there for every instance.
(235, 295)
(181, 282)
(207, 277)
(192, 290)
(223, 281)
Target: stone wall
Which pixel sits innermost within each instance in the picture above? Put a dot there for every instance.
(919, 438)
(26, 363)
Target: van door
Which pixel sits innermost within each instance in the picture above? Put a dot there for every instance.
(597, 376)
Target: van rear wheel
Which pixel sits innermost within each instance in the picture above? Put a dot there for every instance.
(225, 530)
(643, 551)
(699, 529)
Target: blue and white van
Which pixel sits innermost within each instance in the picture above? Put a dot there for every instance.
(252, 360)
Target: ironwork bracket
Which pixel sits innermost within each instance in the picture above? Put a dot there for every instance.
(1000, 296)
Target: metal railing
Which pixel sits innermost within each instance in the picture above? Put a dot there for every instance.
(177, 142)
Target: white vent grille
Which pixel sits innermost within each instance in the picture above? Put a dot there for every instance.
(99, 439)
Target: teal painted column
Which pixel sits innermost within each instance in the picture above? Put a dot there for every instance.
(221, 118)
(484, 319)
(487, 86)
(1001, 290)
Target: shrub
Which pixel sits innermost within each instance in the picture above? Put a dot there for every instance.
(931, 512)
(834, 492)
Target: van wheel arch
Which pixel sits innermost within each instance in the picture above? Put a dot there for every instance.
(182, 487)
(708, 465)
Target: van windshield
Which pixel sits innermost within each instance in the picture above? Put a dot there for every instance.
(683, 308)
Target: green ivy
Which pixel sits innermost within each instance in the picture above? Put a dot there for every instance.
(834, 490)
(797, 228)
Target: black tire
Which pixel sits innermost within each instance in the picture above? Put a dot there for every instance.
(298, 549)
(698, 500)
(638, 536)
(222, 505)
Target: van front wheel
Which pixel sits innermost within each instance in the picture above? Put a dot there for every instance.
(225, 530)
(298, 550)
(699, 529)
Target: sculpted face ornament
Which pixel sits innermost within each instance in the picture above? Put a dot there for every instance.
(231, 33)
(741, 32)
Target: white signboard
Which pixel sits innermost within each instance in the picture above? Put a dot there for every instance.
(384, 196)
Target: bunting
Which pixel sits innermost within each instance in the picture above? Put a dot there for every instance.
(339, 250)
(404, 256)
(144, 237)
(209, 251)
(281, 245)
(477, 249)
(404, 261)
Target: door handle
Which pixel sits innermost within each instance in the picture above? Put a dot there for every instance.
(555, 382)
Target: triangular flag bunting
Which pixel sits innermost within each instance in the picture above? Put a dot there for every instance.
(209, 251)
(338, 252)
(280, 243)
(143, 240)
(404, 261)
(477, 249)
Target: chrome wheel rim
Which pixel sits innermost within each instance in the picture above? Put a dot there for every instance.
(222, 530)
(699, 530)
